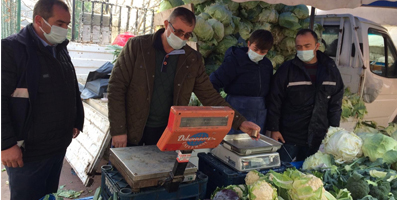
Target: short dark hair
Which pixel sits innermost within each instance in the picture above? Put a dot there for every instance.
(305, 31)
(262, 38)
(185, 14)
(44, 8)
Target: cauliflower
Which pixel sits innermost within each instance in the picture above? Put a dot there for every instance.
(252, 177)
(299, 191)
(262, 190)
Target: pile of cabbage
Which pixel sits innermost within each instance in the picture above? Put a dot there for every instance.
(224, 23)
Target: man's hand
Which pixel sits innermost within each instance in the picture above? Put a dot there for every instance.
(12, 157)
(75, 132)
(248, 127)
(276, 135)
(119, 140)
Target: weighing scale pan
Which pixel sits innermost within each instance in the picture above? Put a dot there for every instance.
(243, 144)
(146, 166)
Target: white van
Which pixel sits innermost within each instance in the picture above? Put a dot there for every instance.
(367, 60)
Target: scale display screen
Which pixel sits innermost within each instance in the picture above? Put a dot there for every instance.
(196, 127)
(203, 121)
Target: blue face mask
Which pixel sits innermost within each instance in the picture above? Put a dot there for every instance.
(305, 55)
(255, 57)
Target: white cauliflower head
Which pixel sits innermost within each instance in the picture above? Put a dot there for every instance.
(251, 177)
(262, 190)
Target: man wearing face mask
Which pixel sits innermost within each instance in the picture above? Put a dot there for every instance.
(305, 99)
(153, 73)
(40, 101)
(245, 75)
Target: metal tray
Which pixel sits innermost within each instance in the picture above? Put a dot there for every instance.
(242, 144)
(146, 166)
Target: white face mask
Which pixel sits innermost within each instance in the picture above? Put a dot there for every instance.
(306, 55)
(57, 34)
(175, 42)
(255, 57)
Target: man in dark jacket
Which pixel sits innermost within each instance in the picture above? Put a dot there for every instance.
(40, 102)
(245, 75)
(153, 73)
(305, 99)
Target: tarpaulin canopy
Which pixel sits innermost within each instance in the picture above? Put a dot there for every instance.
(322, 4)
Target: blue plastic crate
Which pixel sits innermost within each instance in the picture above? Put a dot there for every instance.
(112, 181)
(219, 174)
(298, 164)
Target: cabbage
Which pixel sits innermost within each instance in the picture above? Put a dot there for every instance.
(318, 29)
(304, 23)
(263, 26)
(269, 15)
(289, 33)
(232, 6)
(245, 28)
(176, 3)
(266, 5)
(236, 21)
(249, 4)
(241, 190)
(301, 11)
(252, 14)
(262, 190)
(376, 145)
(390, 129)
(343, 145)
(271, 54)
(277, 34)
(205, 16)
(279, 7)
(279, 60)
(203, 30)
(229, 30)
(224, 45)
(289, 45)
(317, 160)
(165, 5)
(288, 9)
(194, 2)
(289, 20)
(205, 48)
(219, 12)
(218, 28)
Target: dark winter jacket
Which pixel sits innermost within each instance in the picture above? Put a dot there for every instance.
(301, 111)
(240, 76)
(44, 119)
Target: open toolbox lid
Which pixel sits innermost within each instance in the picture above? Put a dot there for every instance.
(192, 127)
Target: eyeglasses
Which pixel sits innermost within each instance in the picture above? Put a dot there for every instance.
(181, 33)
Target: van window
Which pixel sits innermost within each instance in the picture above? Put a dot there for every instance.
(382, 54)
(330, 38)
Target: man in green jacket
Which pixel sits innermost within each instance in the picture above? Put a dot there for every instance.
(153, 73)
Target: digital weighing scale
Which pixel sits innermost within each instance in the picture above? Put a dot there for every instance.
(189, 127)
(244, 154)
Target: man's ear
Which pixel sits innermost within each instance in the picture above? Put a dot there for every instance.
(248, 43)
(38, 20)
(317, 46)
(165, 24)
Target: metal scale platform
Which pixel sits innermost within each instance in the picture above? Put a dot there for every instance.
(244, 154)
(189, 128)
